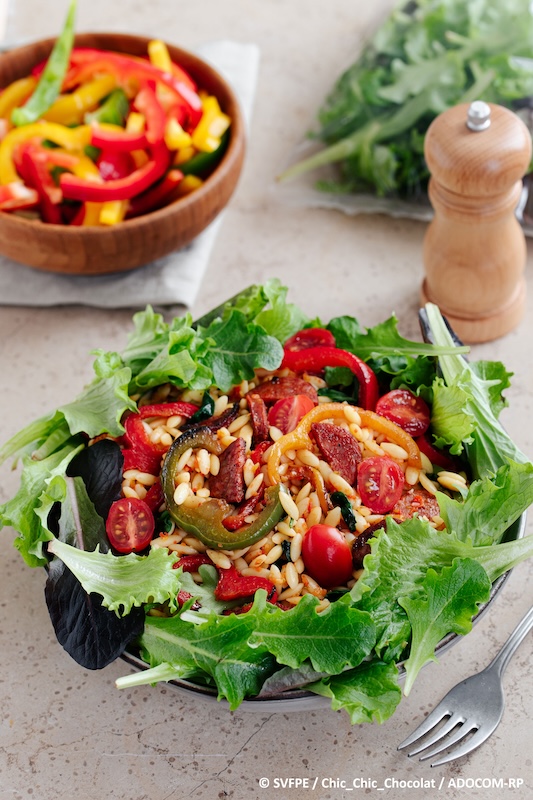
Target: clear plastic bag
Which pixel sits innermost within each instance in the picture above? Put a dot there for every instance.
(366, 152)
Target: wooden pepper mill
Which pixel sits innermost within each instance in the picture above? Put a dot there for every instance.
(474, 248)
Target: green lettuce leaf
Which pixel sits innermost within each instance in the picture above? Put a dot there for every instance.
(450, 601)
(339, 637)
(125, 581)
(281, 319)
(369, 693)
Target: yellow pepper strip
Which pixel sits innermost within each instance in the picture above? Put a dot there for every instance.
(92, 214)
(83, 167)
(113, 211)
(136, 123)
(73, 139)
(69, 109)
(189, 184)
(175, 136)
(16, 94)
(159, 55)
(206, 135)
(184, 154)
(299, 438)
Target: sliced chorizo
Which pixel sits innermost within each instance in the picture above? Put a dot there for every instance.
(416, 501)
(360, 547)
(277, 388)
(229, 483)
(339, 448)
(258, 413)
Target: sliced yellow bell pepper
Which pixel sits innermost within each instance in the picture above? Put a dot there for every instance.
(15, 94)
(206, 135)
(188, 185)
(175, 136)
(113, 211)
(159, 55)
(184, 154)
(92, 214)
(72, 139)
(69, 109)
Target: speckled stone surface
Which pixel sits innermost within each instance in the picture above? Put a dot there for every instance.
(66, 732)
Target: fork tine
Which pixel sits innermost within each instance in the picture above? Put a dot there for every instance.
(426, 725)
(448, 741)
(463, 750)
(441, 733)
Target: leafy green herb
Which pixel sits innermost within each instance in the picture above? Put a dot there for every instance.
(429, 55)
(341, 500)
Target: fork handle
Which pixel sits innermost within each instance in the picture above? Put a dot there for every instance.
(500, 661)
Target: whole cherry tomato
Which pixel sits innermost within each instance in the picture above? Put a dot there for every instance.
(327, 556)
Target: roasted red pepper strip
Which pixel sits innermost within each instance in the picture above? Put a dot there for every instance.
(75, 188)
(232, 585)
(192, 563)
(168, 410)
(154, 496)
(315, 359)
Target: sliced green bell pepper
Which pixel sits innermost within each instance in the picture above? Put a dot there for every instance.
(206, 520)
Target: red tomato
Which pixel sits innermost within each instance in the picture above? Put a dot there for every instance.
(310, 337)
(327, 556)
(401, 406)
(286, 413)
(379, 482)
(115, 165)
(130, 525)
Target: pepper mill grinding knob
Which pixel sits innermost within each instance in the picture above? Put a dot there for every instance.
(474, 249)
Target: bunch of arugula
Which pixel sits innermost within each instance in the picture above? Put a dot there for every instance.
(429, 55)
(418, 584)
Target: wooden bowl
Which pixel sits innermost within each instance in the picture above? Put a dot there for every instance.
(99, 250)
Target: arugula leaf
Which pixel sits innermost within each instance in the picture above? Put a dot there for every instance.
(450, 601)
(369, 693)
(383, 340)
(339, 637)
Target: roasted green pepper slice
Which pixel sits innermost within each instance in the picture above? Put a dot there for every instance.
(205, 521)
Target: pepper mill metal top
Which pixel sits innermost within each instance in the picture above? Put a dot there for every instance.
(474, 249)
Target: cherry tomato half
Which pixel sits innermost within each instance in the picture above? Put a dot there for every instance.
(286, 413)
(407, 410)
(130, 525)
(310, 337)
(379, 482)
(327, 556)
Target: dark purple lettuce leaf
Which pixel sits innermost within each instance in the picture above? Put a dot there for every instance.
(100, 466)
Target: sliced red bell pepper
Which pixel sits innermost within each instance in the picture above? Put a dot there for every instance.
(143, 460)
(147, 103)
(157, 196)
(232, 585)
(117, 140)
(114, 165)
(127, 68)
(138, 181)
(180, 408)
(37, 176)
(315, 359)
(17, 195)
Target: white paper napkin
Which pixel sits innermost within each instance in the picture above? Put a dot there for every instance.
(173, 280)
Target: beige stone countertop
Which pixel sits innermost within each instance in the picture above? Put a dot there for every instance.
(67, 732)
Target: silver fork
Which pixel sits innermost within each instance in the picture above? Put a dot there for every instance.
(474, 706)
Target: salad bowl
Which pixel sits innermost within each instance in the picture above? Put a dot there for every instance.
(255, 514)
(81, 249)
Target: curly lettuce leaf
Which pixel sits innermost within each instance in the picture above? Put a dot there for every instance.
(369, 693)
(339, 637)
(450, 601)
(124, 582)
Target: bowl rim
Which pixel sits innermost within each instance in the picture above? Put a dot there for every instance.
(231, 154)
